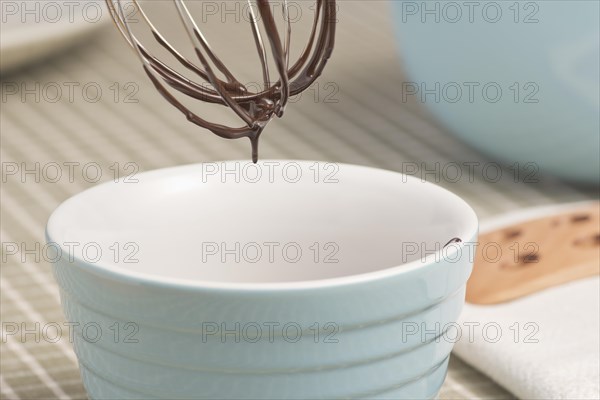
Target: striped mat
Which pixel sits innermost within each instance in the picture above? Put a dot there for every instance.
(355, 115)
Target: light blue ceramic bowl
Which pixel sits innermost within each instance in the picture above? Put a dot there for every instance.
(355, 328)
(542, 55)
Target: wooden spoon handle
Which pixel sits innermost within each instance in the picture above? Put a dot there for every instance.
(533, 255)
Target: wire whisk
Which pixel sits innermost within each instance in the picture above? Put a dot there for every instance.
(254, 108)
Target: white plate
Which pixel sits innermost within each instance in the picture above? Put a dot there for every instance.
(31, 30)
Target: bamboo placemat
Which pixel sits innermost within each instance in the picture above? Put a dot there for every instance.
(362, 120)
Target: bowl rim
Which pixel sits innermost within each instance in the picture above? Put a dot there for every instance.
(468, 235)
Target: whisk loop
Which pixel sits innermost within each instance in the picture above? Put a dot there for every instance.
(257, 108)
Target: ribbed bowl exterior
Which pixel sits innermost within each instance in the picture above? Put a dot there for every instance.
(378, 338)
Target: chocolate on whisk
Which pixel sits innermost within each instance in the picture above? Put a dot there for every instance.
(255, 109)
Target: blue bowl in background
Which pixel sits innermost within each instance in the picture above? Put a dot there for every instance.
(518, 81)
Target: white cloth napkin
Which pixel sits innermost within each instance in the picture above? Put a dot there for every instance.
(556, 353)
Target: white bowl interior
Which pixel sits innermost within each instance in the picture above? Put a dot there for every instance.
(186, 223)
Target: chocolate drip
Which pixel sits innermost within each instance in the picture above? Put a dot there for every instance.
(255, 109)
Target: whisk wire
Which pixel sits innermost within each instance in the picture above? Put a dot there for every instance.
(278, 55)
(260, 47)
(200, 42)
(220, 130)
(255, 109)
(287, 33)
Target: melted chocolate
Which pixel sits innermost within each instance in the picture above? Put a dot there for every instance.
(256, 109)
(453, 240)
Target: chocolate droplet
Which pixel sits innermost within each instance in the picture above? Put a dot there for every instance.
(590, 241)
(513, 234)
(530, 258)
(453, 240)
(580, 218)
